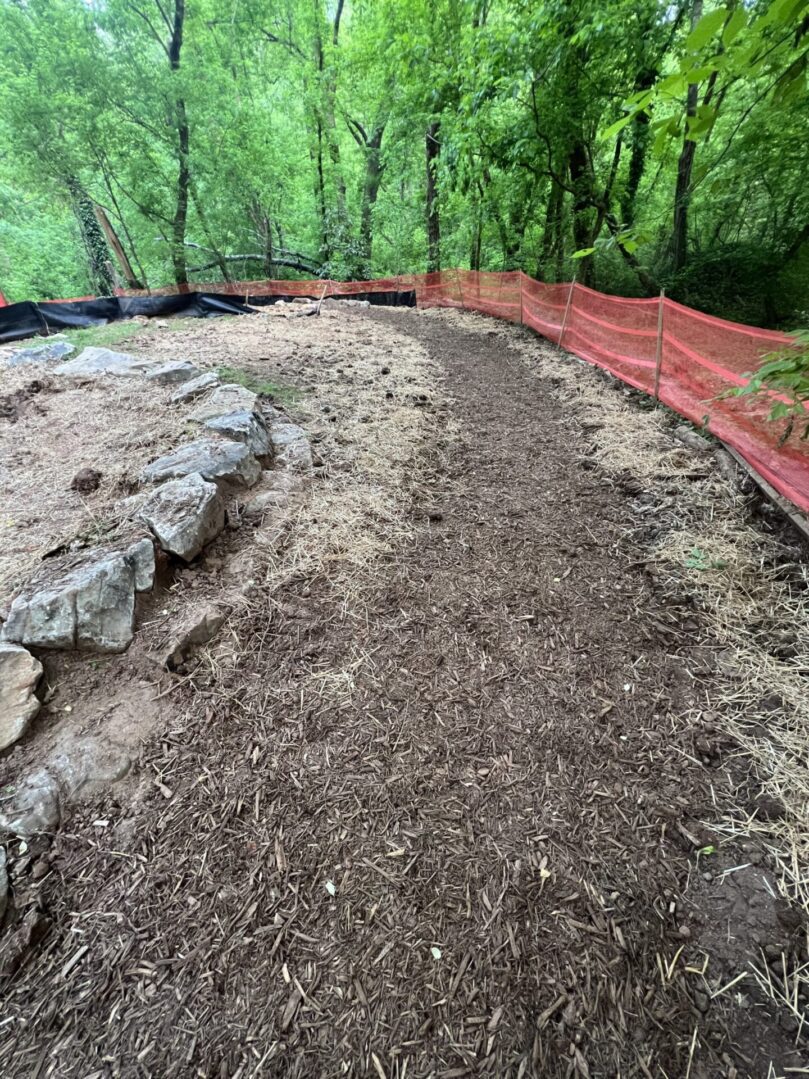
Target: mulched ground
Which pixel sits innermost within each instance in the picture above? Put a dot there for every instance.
(447, 832)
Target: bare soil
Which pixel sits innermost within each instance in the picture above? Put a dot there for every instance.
(446, 799)
(51, 428)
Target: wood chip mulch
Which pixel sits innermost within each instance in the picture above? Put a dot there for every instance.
(466, 852)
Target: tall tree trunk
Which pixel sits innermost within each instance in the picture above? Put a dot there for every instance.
(370, 191)
(582, 235)
(98, 254)
(433, 147)
(327, 124)
(682, 191)
(183, 139)
(553, 214)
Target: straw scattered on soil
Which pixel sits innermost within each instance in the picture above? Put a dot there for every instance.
(441, 800)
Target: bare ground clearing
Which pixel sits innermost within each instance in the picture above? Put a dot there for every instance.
(470, 786)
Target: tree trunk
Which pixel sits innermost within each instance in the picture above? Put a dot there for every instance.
(552, 213)
(98, 254)
(682, 191)
(433, 147)
(582, 235)
(370, 191)
(183, 139)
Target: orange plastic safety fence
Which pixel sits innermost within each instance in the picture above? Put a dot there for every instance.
(700, 356)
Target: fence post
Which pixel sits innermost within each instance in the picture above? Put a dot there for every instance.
(567, 308)
(521, 277)
(659, 350)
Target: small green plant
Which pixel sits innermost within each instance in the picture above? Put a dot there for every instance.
(699, 559)
(257, 385)
(785, 373)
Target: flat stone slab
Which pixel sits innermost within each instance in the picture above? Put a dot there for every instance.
(213, 459)
(225, 399)
(195, 388)
(86, 604)
(173, 373)
(183, 514)
(291, 447)
(19, 674)
(39, 354)
(93, 362)
(247, 427)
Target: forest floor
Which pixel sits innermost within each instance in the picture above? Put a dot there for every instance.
(499, 772)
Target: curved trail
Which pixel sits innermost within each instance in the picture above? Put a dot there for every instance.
(461, 854)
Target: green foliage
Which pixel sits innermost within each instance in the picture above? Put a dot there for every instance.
(306, 143)
(783, 380)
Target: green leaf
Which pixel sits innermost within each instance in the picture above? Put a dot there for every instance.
(734, 26)
(583, 253)
(673, 84)
(705, 29)
(619, 125)
(698, 74)
(792, 83)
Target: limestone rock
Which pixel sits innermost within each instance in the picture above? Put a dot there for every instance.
(213, 459)
(87, 763)
(33, 806)
(93, 362)
(198, 627)
(50, 353)
(86, 604)
(245, 426)
(274, 493)
(292, 449)
(183, 514)
(141, 552)
(19, 674)
(173, 372)
(195, 388)
(228, 398)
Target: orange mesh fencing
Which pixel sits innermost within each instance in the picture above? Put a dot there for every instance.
(700, 356)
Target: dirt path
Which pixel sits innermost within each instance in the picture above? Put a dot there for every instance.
(434, 831)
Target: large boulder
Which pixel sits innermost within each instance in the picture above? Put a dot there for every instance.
(245, 426)
(183, 514)
(85, 603)
(228, 398)
(291, 447)
(195, 388)
(173, 373)
(93, 362)
(213, 459)
(19, 674)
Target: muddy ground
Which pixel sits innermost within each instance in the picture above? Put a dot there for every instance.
(451, 795)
